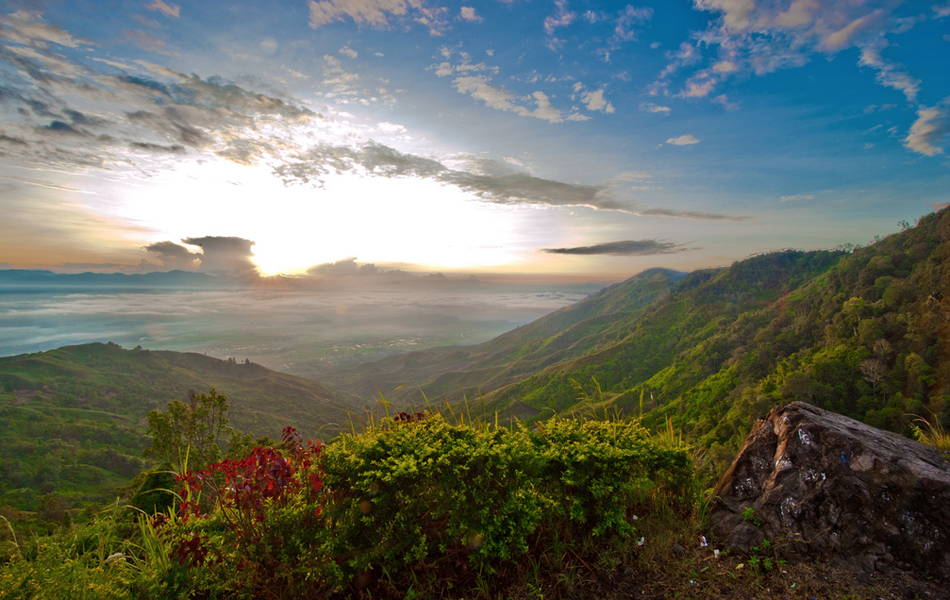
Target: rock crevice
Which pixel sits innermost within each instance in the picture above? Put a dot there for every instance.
(822, 486)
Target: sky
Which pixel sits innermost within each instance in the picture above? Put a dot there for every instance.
(519, 138)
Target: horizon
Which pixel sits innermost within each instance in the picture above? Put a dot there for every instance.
(553, 141)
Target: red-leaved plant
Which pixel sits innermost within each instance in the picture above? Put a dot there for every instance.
(251, 513)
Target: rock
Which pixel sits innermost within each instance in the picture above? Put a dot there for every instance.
(819, 485)
(678, 550)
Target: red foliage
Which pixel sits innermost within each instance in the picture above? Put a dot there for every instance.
(243, 490)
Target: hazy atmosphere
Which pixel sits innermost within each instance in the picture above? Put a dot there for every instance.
(298, 331)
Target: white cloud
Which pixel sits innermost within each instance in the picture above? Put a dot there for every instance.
(478, 87)
(544, 109)
(375, 13)
(467, 13)
(723, 101)
(471, 80)
(683, 140)
(889, 74)
(797, 197)
(655, 108)
(595, 101)
(387, 127)
(755, 37)
(627, 21)
(28, 28)
(166, 9)
(931, 126)
(941, 11)
(562, 18)
(347, 51)
(363, 12)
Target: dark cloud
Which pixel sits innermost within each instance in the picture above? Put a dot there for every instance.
(12, 140)
(144, 83)
(225, 254)
(174, 256)
(686, 214)
(78, 118)
(491, 181)
(173, 123)
(40, 109)
(175, 149)
(623, 248)
(60, 127)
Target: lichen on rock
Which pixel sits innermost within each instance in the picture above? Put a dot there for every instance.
(824, 486)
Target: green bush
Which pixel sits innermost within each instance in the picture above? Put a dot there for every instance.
(426, 489)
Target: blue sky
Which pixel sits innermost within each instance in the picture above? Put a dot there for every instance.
(526, 138)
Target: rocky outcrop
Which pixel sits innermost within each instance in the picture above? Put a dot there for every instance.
(818, 485)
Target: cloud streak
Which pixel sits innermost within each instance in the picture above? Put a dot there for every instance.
(683, 140)
(690, 214)
(931, 126)
(623, 248)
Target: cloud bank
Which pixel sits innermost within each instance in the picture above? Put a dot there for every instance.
(219, 255)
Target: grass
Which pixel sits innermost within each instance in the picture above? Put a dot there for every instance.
(932, 434)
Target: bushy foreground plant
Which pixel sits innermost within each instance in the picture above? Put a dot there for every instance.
(423, 489)
(411, 500)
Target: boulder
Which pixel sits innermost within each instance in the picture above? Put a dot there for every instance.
(819, 485)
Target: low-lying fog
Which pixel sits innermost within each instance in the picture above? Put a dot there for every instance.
(304, 332)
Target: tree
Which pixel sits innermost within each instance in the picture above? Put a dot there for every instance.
(189, 436)
(874, 371)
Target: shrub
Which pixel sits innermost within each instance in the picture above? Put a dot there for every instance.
(424, 489)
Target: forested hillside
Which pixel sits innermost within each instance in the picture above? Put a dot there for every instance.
(864, 332)
(73, 419)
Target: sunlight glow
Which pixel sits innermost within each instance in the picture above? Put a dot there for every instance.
(369, 217)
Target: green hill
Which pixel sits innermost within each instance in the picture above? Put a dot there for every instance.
(73, 419)
(863, 332)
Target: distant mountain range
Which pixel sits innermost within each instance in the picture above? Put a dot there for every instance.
(25, 280)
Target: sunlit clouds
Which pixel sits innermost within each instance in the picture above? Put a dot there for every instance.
(553, 138)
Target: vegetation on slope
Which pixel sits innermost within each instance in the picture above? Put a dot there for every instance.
(860, 331)
(74, 419)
